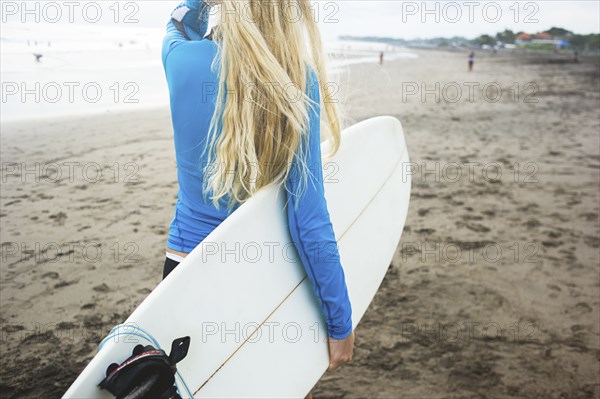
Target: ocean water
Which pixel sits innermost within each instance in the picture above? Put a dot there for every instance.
(95, 69)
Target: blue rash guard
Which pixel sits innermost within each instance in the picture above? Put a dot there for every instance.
(187, 59)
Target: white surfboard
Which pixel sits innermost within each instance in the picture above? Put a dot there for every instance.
(243, 296)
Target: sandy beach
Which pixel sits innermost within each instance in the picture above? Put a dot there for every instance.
(493, 293)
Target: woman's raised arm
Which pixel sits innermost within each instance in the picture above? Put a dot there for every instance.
(188, 22)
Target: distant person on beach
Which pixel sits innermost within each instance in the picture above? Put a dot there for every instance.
(576, 57)
(381, 58)
(471, 60)
(270, 137)
(38, 57)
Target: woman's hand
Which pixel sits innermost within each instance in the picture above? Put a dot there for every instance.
(340, 351)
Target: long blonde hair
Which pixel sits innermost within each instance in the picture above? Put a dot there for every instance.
(260, 124)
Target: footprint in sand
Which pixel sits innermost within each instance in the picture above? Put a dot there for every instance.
(101, 288)
(530, 207)
(552, 244)
(52, 275)
(476, 227)
(532, 223)
(12, 203)
(159, 230)
(592, 241)
(553, 234)
(64, 284)
(59, 218)
(574, 200)
(471, 217)
(423, 212)
(425, 231)
(583, 307)
(589, 216)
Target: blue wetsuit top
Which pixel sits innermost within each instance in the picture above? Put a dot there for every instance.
(187, 59)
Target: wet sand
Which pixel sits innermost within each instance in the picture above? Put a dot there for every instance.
(493, 292)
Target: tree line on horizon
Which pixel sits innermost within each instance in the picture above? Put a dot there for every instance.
(589, 43)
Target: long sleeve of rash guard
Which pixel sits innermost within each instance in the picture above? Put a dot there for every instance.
(312, 231)
(309, 221)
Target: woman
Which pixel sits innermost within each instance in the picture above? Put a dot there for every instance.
(247, 98)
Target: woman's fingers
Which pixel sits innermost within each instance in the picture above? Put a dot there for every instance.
(340, 351)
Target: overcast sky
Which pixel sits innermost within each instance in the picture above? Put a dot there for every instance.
(409, 20)
(401, 19)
